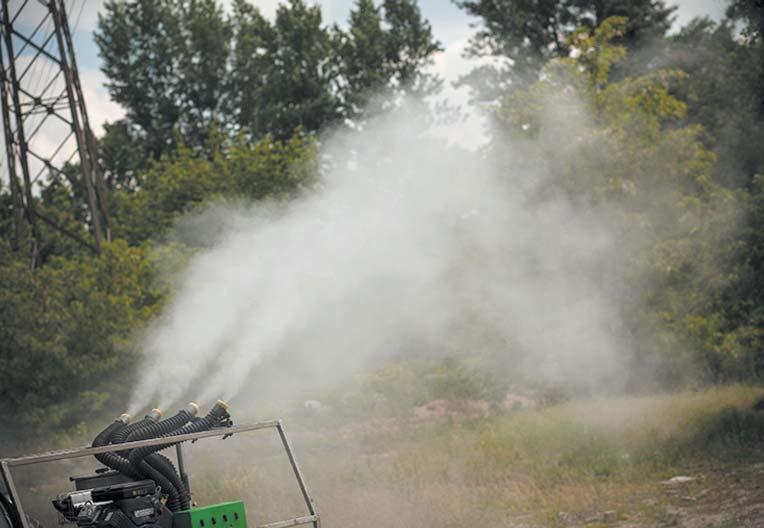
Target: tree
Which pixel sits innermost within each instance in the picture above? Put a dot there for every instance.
(166, 64)
(250, 66)
(202, 67)
(620, 147)
(124, 154)
(723, 92)
(290, 68)
(365, 55)
(739, 127)
(139, 43)
(185, 67)
(75, 317)
(65, 334)
(522, 36)
(751, 14)
(218, 108)
(386, 51)
(190, 178)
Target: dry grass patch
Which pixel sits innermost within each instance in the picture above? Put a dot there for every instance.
(520, 468)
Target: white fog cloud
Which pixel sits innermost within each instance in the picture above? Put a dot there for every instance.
(406, 239)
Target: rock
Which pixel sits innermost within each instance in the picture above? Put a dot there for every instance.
(429, 411)
(565, 518)
(607, 517)
(514, 401)
(677, 480)
(312, 405)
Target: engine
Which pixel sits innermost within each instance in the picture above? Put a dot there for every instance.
(141, 488)
(119, 506)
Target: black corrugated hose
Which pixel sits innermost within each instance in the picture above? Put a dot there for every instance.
(113, 460)
(142, 470)
(168, 425)
(120, 436)
(162, 463)
(217, 416)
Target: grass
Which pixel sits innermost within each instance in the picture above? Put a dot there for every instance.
(562, 464)
(526, 467)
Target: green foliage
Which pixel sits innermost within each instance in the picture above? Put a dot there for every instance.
(751, 14)
(627, 153)
(68, 329)
(143, 78)
(190, 178)
(399, 385)
(723, 91)
(739, 432)
(166, 63)
(525, 35)
(228, 107)
(185, 67)
(65, 334)
(293, 70)
(385, 50)
(520, 467)
(123, 156)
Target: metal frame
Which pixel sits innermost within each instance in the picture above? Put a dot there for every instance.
(66, 105)
(312, 518)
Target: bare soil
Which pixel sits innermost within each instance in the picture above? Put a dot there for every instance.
(724, 495)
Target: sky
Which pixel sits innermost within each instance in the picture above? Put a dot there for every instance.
(452, 27)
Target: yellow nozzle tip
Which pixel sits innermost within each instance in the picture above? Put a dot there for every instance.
(195, 406)
(158, 411)
(223, 404)
(125, 418)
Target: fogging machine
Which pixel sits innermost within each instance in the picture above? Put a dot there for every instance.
(141, 488)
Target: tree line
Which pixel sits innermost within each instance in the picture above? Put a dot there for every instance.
(230, 105)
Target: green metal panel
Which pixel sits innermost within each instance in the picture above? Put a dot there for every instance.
(223, 515)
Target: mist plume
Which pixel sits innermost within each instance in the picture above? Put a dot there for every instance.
(404, 240)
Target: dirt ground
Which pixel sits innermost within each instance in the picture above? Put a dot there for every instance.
(725, 496)
(718, 496)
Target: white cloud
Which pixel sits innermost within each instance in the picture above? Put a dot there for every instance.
(333, 10)
(471, 130)
(100, 106)
(45, 133)
(689, 9)
(82, 14)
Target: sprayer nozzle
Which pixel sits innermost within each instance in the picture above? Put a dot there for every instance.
(125, 418)
(192, 408)
(154, 415)
(219, 410)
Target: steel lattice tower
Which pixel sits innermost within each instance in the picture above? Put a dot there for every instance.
(42, 99)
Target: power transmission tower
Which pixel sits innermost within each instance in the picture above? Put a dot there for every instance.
(45, 122)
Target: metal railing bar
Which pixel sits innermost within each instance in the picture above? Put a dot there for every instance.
(84, 451)
(291, 522)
